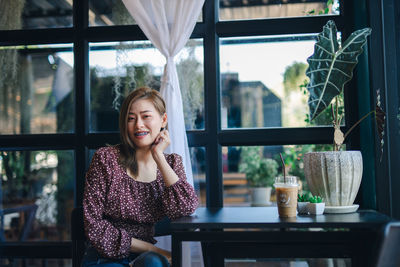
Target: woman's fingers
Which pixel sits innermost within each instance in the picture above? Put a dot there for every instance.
(161, 142)
(163, 136)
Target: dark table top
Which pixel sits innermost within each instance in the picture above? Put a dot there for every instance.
(267, 217)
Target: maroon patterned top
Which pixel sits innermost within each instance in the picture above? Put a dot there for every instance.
(117, 207)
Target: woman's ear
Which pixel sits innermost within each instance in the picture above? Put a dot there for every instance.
(164, 120)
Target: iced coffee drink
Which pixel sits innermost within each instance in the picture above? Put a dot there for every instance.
(286, 195)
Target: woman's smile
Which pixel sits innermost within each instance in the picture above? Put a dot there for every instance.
(141, 134)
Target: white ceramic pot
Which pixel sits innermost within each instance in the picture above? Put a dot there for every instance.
(315, 208)
(302, 207)
(260, 196)
(335, 175)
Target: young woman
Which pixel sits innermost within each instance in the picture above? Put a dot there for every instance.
(131, 186)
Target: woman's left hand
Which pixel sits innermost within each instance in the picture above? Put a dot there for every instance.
(161, 142)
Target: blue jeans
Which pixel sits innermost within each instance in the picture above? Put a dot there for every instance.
(145, 259)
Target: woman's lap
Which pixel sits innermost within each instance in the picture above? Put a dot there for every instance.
(146, 259)
(102, 262)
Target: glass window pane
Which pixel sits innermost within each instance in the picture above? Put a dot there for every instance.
(30, 14)
(110, 12)
(15, 262)
(261, 79)
(118, 68)
(312, 262)
(241, 169)
(258, 9)
(36, 89)
(198, 158)
(37, 195)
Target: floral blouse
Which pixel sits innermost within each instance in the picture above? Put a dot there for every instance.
(118, 208)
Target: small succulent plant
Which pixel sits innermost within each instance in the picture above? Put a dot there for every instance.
(303, 198)
(315, 199)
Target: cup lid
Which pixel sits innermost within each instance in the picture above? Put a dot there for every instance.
(286, 181)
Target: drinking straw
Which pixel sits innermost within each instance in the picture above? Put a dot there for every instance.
(284, 169)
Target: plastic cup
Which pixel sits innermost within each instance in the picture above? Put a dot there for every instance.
(286, 195)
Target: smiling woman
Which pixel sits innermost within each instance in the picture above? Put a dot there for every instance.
(131, 186)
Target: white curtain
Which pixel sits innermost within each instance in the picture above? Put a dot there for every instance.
(168, 24)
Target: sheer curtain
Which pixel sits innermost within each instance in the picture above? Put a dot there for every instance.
(168, 24)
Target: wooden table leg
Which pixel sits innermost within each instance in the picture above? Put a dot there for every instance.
(176, 251)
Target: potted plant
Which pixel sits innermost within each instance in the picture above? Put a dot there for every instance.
(260, 174)
(335, 175)
(315, 206)
(302, 201)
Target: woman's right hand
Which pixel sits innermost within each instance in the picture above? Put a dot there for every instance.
(166, 254)
(139, 246)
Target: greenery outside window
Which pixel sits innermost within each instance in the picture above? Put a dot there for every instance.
(37, 89)
(37, 192)
(237, 186)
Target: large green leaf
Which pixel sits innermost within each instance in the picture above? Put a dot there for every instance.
(331, 66)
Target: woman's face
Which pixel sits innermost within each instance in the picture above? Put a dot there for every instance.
(144, 123)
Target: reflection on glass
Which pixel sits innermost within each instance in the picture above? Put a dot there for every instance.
(37, 89)
(261, 9)
(30, 14)
(312, 262)
(36, 195)
(15, 262)
(244, 167)
(261, 80)
(110, 12)
(118, 68)
(198, 159)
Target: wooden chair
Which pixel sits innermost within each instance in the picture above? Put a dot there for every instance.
(78, 234)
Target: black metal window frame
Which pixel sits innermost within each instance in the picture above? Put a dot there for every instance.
(212, 137)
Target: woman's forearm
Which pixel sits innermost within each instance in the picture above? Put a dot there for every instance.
(139, 246)
(168, 173)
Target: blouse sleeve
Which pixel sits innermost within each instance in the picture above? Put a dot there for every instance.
(180, 198)
(109, 240)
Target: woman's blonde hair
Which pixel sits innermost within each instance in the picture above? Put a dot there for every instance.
(127, 147)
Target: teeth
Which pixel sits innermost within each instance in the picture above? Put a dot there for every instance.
(141, 134)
